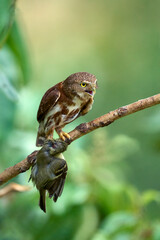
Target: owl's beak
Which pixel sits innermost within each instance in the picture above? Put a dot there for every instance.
(92, 89)
(91, 93)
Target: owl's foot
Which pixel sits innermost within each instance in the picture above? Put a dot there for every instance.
(64, 135)
(50, 137)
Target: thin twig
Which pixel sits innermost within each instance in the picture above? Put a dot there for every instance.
(11, 188)
(84, 129)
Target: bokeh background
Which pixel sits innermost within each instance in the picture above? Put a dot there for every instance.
(112, 186)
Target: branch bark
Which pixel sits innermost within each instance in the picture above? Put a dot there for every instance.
(84, 129)
(20, 167)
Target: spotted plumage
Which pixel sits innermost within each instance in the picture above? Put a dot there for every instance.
(63, 103)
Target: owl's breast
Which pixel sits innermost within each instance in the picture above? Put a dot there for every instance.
(72, 114)
(63, 113)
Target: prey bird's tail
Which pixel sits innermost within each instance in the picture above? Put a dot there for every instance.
(42, 200)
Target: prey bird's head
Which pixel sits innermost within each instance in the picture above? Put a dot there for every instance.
(54, 147)
(81, 83)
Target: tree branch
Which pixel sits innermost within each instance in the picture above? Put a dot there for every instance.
(20, 167)
(110, 117)
(84, 129)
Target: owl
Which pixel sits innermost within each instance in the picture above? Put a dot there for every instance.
(63, 103)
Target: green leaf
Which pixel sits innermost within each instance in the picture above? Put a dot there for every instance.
(88, 223)
(7, 9)
(99, 236)
(17, 44)
(149, 196)
(156, 231)
(8, 89)
(119, 221)
(9, 74)
(7, 107)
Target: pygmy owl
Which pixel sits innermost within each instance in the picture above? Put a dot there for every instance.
(63, 103)
(49, 173)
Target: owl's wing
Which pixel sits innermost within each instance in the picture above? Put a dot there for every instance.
(48, 100)
(87, 107)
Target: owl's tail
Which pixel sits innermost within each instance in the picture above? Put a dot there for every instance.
(40, 136)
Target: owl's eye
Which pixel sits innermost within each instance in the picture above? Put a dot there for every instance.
(83, 84)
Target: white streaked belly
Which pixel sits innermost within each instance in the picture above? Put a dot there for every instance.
(55, 109)
(64, 117)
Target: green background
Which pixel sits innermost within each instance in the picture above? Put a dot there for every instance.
(112, 186)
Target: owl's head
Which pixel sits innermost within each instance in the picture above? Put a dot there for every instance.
(82, 83)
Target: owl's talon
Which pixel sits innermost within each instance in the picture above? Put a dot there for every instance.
(64, 135)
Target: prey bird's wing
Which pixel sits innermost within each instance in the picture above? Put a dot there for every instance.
(55, 186)
(48, 100)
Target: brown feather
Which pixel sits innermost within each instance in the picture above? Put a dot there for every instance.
(48, 100)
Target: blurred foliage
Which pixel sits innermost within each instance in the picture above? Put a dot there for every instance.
(7, 10)
(14, 66)
(112, 187)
